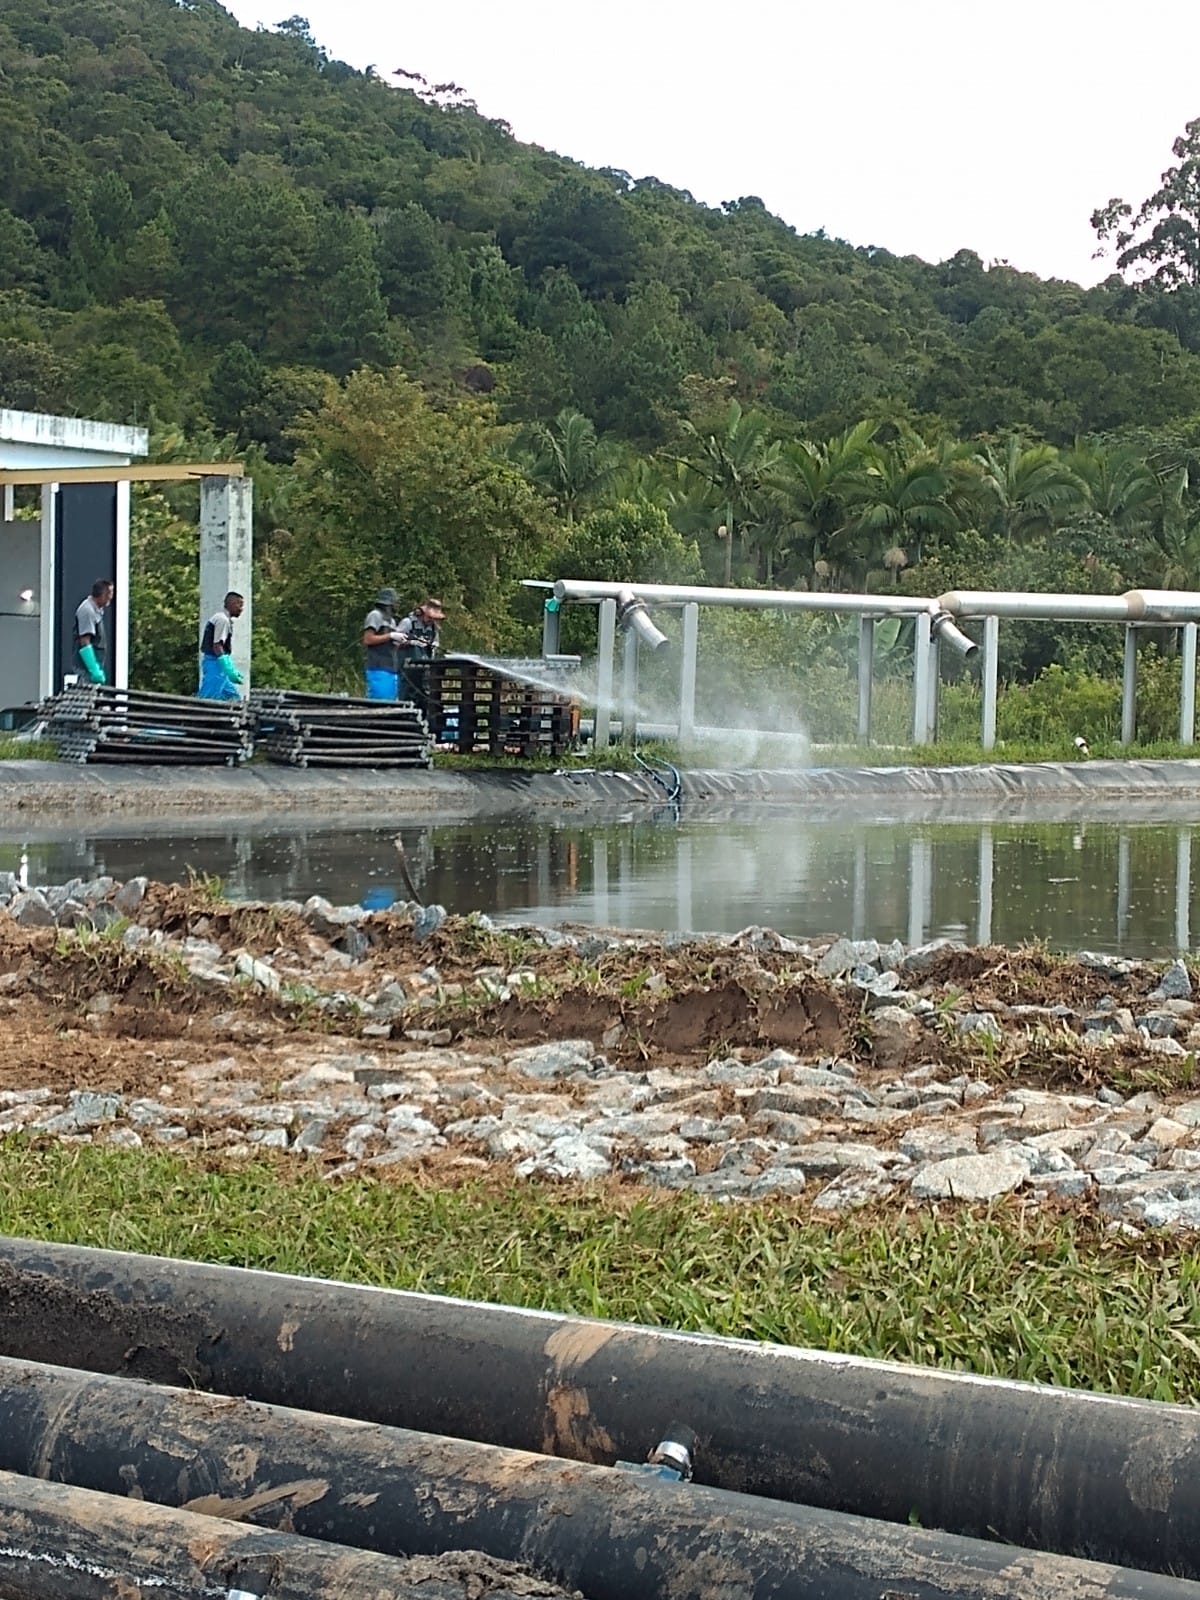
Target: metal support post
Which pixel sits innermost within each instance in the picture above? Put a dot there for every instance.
(551, 627)
(629, 688)
(866, 665)
(604, 674)
(7, 503)
(921, 664)
(1187, 685)
(687, 673)
(1129, 687)
(935, 686)
(991, 669)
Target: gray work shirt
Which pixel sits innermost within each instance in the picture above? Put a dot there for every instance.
(380, 656)
(89, 618)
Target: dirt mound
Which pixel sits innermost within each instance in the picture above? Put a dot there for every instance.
(992, 976)
(694, 1019)
(179, 910)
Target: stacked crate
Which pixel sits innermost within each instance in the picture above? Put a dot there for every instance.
(510, 708)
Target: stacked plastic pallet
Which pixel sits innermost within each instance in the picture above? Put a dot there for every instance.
(96, 723)
(503, 708)
(329, 730)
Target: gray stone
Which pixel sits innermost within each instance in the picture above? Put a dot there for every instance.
(259, 973)
(31, 909)
(570, 1157)
(981, 1022)
(891, 955)
(329, 921)
(1165, 1047)
(896, 1034)
(853, 1188)
(839, 959)
(124, 1139)
(1119, 1021)
(778, 1180)
(922, 957)
(1064, 1185)
(1175, 984)
(127, 901)
(981, 1177)
(1161, 1024)
(796, 1101)
(937, 1143)
(311, 1138)
(558, 1059)
(1111, 966)
(427, 921)
(10, 885)
(826, 1158)
(354, 942)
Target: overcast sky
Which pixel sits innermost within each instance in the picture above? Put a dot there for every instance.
(925, 126)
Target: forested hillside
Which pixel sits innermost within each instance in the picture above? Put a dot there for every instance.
(456, 360)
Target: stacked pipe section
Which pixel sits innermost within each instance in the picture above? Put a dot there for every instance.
(328, 730)
(622, 1534)
(1076, 1475)
(97, 723)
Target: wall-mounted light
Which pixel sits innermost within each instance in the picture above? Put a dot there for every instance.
(26, 597)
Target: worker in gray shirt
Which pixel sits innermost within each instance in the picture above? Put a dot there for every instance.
(88, 636)
(380, 638)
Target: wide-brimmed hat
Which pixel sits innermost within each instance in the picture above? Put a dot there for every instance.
(386, 597)
(435, 608)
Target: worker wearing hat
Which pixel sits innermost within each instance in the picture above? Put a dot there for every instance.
(380, 639)
(417, 641)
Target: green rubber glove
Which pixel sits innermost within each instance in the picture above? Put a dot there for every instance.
(230, 671)
(88, 656)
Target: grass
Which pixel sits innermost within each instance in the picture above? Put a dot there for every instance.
(27, 750)
(965, 753)
(1047, 1297)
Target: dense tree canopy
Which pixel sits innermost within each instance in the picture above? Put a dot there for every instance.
(453, 360)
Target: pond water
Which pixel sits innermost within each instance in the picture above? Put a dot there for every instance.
(1074, 882)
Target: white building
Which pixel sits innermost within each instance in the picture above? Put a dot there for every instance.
(83, 472)
(48, 565)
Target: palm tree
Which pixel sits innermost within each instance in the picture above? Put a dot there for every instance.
(570, 461)
(1028, 489)
(1121, 485)
(736, 462)
(813, 490)
(905, 497)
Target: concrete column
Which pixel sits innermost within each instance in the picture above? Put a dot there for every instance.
(1187, 685)
(1183, 890)
(227, 558)
(604, 674)
(922, 662)
(551, 621)
(1123, 889)
(685, 917)
(866, 664)
(1129, 688)
(983, 931)
(120, 666)
(687, 673)
(629, 689)
(858, 916)
(7, 503)
(600, 879)
(49, 612)
(919, 866)
(991, 666)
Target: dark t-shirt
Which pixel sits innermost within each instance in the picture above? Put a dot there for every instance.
(89, 618)
(381, 657)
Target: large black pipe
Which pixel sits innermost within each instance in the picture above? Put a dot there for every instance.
(614, 1534)
(61, 1543)
(1080, 1474)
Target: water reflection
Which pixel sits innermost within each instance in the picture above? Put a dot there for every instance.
(1122, 886)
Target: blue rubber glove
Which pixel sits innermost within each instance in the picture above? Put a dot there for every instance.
(88, 656)
(230, 671)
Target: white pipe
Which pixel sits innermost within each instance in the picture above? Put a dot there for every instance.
(1050, 607)
(751, 599)
(1165, 606)
(634, 621)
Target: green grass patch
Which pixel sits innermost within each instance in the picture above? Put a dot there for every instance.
(26, 749)
(1047, 1297)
